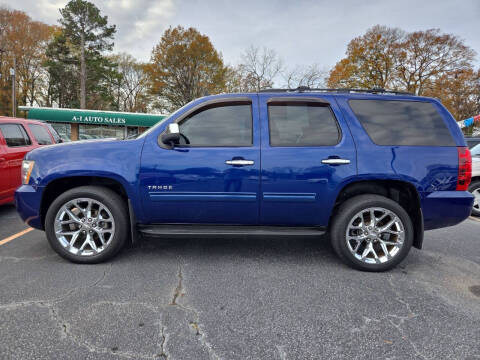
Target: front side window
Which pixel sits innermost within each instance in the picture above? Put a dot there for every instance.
(399, 122)
(15, 135)
(41, 134)
(224, 124)
(302, 124)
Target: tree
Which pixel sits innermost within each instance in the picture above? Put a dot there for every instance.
(311, 76)
(429, 55)
(131, 88)
(63, 81)
(390, 58)
(459, 92)
(371, 60)
(24, 40)
(259, 68)
(89, 34)
(61, 65)
(184, 66)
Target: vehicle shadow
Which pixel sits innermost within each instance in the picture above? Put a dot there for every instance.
(284, 248)
(7, 208)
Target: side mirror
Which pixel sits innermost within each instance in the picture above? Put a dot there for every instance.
(173, 128)
(171, 137)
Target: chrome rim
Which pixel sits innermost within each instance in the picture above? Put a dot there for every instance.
(375, 235)
(84, 226)
(476, 201)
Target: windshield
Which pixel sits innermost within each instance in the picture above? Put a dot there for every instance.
(475, 151)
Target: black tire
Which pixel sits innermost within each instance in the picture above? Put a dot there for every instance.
(345, 214)
(115, 205)
(475, 185)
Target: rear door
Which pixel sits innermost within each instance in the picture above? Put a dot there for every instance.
(18, 143)
(307, 154)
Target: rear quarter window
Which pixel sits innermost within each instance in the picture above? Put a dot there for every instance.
(397, 122)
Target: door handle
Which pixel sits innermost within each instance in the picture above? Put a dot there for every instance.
(240, 162)
(333, 161)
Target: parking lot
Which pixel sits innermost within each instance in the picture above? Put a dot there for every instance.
(253, 298)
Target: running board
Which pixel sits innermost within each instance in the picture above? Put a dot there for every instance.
(227, 230)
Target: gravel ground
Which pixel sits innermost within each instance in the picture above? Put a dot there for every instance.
(251, 298)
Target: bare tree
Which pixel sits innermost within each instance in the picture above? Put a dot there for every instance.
(428, 55)
(311, 76)
(131, 93)
(259, 68)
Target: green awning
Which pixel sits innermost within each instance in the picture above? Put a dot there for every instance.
(92, 117)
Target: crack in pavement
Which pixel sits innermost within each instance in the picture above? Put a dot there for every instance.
(179, 289)
(402, 319)
(393, 319)
(163, 354)
(14, 305)
(66, 334)
(194, 325)
(65, 328)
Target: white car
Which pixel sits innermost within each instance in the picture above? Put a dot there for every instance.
(474, 187)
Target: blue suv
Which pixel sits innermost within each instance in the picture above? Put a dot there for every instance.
(371, 169)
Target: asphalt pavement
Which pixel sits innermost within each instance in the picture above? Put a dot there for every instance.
(250, 298)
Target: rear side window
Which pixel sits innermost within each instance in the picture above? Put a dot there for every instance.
(302, 124)
(15, 135)
(41, 134)
(409, 123)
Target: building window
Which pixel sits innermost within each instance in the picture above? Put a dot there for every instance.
(100, 131)
(132, 132)
(63, 129)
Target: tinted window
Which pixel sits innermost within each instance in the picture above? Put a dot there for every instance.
(411, 123)
(219, 125)
(41, 134)
(302, 124)
(15, 135)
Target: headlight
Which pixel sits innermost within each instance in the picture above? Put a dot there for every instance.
(27, 167)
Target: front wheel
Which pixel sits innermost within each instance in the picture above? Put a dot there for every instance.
(371, 233)
(474, 188)
(88, 224)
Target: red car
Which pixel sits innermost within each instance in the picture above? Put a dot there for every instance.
(17, 137)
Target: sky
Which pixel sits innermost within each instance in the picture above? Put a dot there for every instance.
(302, 32)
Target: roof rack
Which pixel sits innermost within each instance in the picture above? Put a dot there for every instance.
(341, 90)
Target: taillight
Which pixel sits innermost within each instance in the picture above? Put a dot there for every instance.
(464, 168)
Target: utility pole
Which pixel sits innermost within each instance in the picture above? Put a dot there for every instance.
(14, 95)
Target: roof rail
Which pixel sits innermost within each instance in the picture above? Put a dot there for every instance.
(341, 90)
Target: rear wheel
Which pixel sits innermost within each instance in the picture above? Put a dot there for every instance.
(371, 233)
(474, 188)
(88, 224)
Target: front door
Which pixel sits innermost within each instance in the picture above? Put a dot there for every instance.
(212, 177)
(307, 154)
